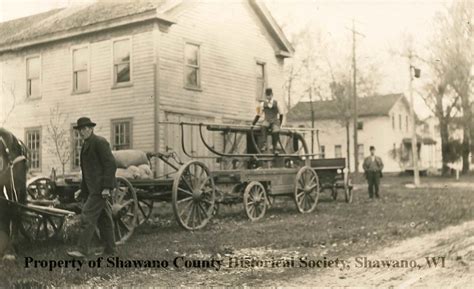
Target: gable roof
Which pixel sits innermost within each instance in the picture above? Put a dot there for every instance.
(73, 21)
(62, 23)
(378, 105)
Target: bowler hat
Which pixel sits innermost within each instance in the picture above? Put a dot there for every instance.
(268, 91)
(84, 121)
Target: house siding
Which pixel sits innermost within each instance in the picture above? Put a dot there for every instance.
(232, 41)
(102, 103)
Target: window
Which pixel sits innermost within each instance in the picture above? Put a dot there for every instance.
(393, 121)
(33, 72)
(322, 152)
(400, 122)
(33, 143)
(406, 123)
(360, 125)
(80, 70)
(77, 142)
(360, 152)
(338, 151)
(121, 134)
(192, 67)
(260, 80)
(122, 61)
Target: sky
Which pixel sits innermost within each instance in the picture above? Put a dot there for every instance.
(384, 24)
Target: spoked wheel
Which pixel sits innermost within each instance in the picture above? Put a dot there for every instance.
(306, 190)
(40, 227)
(41, 188)
(255, 201)
(125, 210)
(145, 208)
(193, 196)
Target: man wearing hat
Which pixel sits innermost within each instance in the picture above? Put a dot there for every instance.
(373, 167)
(98, 180)
(273, 118)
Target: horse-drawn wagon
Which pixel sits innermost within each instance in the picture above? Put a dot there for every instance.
(242, 173)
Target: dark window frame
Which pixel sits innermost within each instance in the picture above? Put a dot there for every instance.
(120, 121)
(196, 67)
(28, 131)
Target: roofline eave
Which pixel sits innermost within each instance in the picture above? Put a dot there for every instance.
(98, 27)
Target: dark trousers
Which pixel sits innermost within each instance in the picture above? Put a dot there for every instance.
(373, 179)
(274, 127)
(96, 212)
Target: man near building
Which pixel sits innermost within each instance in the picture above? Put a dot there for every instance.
(273, 118)
(373, 167)
(98, 180)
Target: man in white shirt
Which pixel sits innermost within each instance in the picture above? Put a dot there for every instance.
(272, 120)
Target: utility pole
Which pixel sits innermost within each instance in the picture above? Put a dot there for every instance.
(312, 119)
(414, 145)
(354, 92)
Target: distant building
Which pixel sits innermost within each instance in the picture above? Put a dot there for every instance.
(383, 121)
(130, 65)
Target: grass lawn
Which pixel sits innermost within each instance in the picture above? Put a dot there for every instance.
(335, 229)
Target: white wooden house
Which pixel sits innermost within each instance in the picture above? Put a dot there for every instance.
(383, 122)
(131, 65)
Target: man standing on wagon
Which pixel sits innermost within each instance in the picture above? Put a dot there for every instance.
(98, 180)
(273, 118)
(373, 167)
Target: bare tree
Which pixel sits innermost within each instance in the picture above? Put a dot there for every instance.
(60, 137)
(450, 61)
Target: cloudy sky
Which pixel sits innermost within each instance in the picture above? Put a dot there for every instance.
(384, 24)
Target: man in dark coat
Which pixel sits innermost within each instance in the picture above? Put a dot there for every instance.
(373, 167)
(98, 180)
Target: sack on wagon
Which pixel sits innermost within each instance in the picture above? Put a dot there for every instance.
(145, 172)
(124, 173)
(134, 171)
(127, 158)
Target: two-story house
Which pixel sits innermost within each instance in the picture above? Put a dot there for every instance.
(383, 121)
(133, 65)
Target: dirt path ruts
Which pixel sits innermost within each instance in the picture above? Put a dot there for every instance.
(455, 243)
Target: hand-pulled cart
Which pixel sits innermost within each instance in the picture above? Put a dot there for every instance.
(242, 173)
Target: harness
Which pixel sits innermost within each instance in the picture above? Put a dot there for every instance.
(11, 164)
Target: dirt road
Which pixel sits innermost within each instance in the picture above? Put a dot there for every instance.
(455, 243)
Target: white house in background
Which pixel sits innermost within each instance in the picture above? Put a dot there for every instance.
(384, 122)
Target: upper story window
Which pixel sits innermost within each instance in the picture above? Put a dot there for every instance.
(121, 134)
(360, 125)
(406, 123)
(393, 121)
(338, 151)
(33, 143)
(33, 73)
(122, 51)
(260, 80)
(192, 69)
(80, 63)
(400, 122)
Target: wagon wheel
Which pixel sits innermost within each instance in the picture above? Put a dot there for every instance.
(125, 210)
(145, 208)
(348, 191)
(193, 196)
(42, 188)
(306, 190)
(255, 201)
(40, 227)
